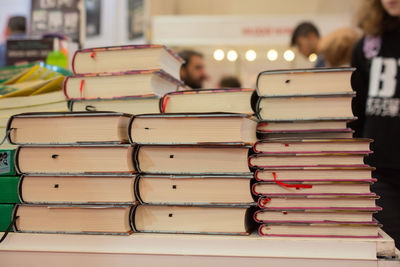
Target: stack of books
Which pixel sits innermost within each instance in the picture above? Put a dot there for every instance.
(310, 172)
(129, 79)
(8, 188)
(193, 172)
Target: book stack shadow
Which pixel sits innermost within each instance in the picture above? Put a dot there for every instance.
(311, 176)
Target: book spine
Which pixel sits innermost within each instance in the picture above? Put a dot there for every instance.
(130, 130)
(73, 61)
(65, 87)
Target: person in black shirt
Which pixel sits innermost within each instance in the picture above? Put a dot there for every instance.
(377, 104)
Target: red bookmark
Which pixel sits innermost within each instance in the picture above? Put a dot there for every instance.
(164, 106)
(81, 89)
(297, 186)
(92, 54)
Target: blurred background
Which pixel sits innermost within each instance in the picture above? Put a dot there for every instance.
(237, 38)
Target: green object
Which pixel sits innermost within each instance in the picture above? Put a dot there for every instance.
(7, 162)
(9, 71)
(5, 216)
(57, 58)
(9, 189)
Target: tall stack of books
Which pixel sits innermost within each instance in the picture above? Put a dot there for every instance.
(311, 176)
(193, 172)
(129, 79)
(78, 168)
(8, 188)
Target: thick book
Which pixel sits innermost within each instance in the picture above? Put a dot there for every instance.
(199, 189)
(312, 187)
(49, 107)
(75, 159)
(326, 229)
(314, 215)
(7, 162)
(77, 189)
(235, 220)
(302, 125)
(9, 189)
(126, 58)
(208, 100)
(68, 128)
(306, 134)
(6, 216)
(315, 107)
(192, 128)
(144, 104)
(338, 201)
(319, 145)
(121, 84)
(315, 174)
(304, 81)
(74, 219)
(194, 159)
(308, 159)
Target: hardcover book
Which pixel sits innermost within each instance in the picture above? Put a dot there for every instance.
(194, 190)
(126, 58)
(75, 159)
(233, 220)
(304, 81)
(123, 84)
(192, 129)
(77, 219)
(68, 128)
(208, 100)
(77, 189)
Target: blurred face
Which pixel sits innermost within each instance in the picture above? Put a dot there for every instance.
(194, 73)
(307, 44)
(392, 7)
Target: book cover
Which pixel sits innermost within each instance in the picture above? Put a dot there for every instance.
(6, 211)
(7, 162)
(9, 189)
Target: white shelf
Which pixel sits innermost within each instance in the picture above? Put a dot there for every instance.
(191, 250)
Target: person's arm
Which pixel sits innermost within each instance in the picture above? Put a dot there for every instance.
(359, 82)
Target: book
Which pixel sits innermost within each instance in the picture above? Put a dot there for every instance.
(49, 107)
(192, 128)
(32, 100)
(131, 105)
(193, 219)
(192, 190)
(315, 107)
(338, 201)
(78, 219)
(194, 159)
(308, 159)
(75, 159)
(312, 187)
(68, 128)
(126, 58)
(304, 81)
(327, 229)
(6, 211)
(123, 84)
(319, 145)
(314, 215)
(302, 125)
(77, 189)
(9, 189)
(7, 162)
(314, 174)
(208, 100)
(306, 134)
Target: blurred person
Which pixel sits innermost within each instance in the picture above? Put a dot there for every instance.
(229, 82)
(377, 104)
(306, 37)
(16, 29)
(193, 70)
(337, 47)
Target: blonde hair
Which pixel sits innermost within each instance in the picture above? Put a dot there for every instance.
(373, 19)
(336, 47)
